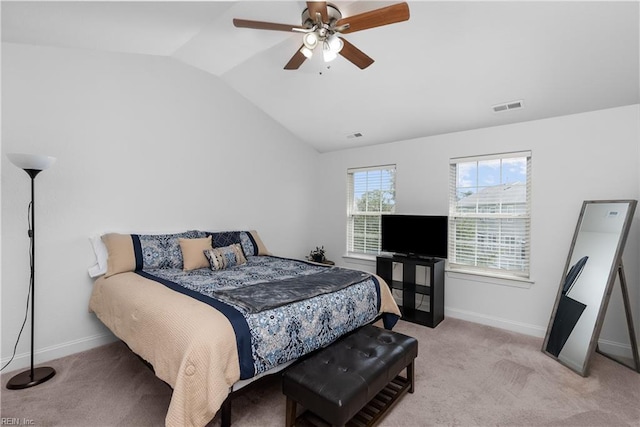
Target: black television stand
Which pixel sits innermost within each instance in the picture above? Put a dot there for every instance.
(416, 256)
(411, 290)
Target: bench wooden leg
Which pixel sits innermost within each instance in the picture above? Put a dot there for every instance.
(291, 412)
(411, 375)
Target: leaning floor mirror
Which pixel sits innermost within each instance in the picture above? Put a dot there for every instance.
(593, 266)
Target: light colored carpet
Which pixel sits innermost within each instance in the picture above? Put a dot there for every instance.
(466, 375)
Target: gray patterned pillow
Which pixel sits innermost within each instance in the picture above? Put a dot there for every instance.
(163, 250)
(247, 244)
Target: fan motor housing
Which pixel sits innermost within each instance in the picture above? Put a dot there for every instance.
(332, 12)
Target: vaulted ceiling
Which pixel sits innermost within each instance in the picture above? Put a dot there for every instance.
(441, 71)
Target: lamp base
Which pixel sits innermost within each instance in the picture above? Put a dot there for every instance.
(25, 380)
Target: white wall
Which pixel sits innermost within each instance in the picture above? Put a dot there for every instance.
(574, 158)
(144, 144)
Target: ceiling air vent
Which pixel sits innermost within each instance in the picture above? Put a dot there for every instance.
(507, 106)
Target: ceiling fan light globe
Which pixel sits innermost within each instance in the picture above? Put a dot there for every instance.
(308, 53)
(310, 40)
(328, 55)
(335, 43)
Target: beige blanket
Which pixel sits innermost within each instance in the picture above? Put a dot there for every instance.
(191, 346)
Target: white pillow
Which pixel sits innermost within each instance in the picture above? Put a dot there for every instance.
(100, 251)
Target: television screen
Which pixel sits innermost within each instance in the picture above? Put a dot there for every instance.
(415, 235)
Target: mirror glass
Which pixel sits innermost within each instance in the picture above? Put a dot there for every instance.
(590, 271)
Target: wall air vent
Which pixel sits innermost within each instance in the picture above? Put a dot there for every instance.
(355, 135)
(507, 106)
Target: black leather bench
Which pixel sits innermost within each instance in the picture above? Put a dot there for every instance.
(354, 380)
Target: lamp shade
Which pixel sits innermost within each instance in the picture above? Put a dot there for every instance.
(31, 161)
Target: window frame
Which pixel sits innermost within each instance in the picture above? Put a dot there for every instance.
(352, 213)
(502, 220)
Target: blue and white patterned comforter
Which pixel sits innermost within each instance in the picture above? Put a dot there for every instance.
(268, 338)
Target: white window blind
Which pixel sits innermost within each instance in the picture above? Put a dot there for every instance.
(490, 214)
(370, 194)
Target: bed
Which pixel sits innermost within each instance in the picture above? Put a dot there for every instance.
(213, 311)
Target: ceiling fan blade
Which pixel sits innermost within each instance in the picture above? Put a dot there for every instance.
(296, 60)
(375, 18)
(318, 7)
(259, 25)
(355, 55)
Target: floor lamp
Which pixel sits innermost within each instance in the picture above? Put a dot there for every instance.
(32, 165)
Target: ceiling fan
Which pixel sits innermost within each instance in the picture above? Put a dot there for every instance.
(322, 22)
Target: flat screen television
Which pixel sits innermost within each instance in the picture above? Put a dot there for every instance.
(415, 235)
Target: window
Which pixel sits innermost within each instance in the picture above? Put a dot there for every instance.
(370, 194)
(489, 214)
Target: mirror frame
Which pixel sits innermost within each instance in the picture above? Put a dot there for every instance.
(616, 266)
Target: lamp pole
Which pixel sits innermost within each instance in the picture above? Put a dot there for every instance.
(32, 237)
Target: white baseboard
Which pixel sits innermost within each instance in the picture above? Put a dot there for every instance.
(509, 325)
(609, 347)
(616, 349)
(23, 360)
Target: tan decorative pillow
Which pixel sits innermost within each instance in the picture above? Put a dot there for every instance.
(121, 256)
(227, 256)
(193, 252)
